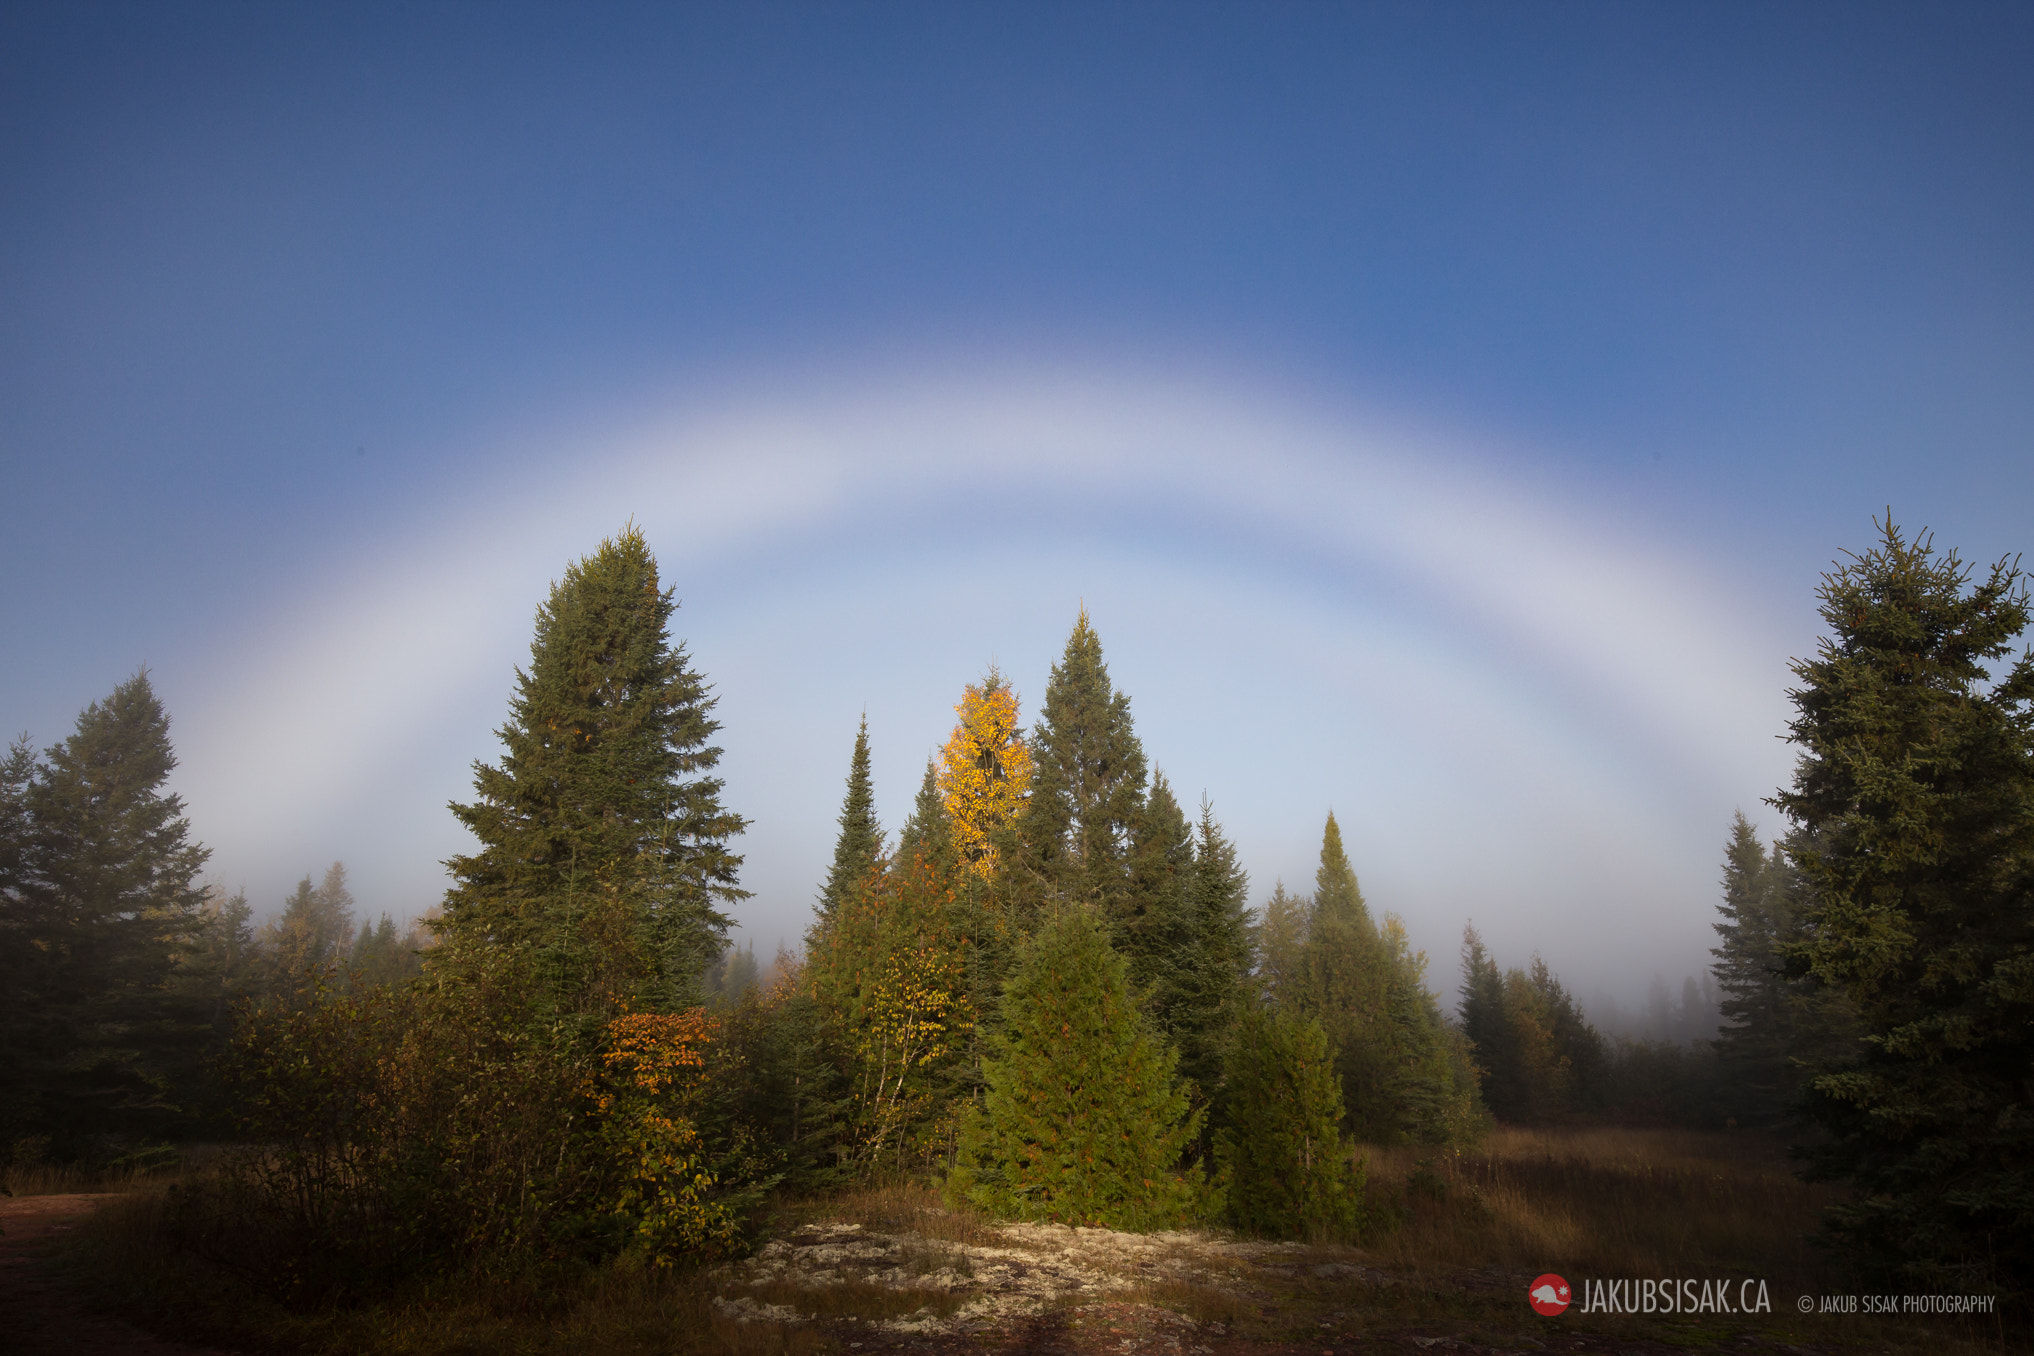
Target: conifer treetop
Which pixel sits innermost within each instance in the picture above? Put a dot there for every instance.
(860, 844)
(101, 900)
(1337, 896)
(1089, 785)
(604, 843)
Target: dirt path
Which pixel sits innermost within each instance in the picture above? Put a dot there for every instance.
(39, 1316)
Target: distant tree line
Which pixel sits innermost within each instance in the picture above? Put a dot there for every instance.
(122, 976)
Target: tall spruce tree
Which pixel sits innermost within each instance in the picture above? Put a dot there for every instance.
(604, 851)
(1087, 791)
(1913, 799)
(1435, 1071)
(1402, 1080)
(17, 959)
(1281, 946)
(17, 770)
(1154, 928)
(859, 847)
(1215, 968)
(1345, 986)
(1186, 933)
(1576, 1047)
(1492, 1035)
(926, 831)
(1774, 1026)
(103, 902)
(222, 967)
(1537, 1058)
(383, 955)
(216, 975)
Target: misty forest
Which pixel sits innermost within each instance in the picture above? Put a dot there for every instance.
(1049, 997)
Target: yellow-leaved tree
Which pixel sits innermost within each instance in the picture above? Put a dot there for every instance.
(984, 770)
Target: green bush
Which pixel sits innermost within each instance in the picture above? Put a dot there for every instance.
(1084, 1120)
(1288, 1169)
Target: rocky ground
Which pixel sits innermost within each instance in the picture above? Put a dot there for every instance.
(928, 1281)
(1050, 1288)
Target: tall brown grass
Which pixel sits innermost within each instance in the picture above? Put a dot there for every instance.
(1604, 1201)
(28, 1172)
(119, 1256)
(1581, 1202)
(900, 1206)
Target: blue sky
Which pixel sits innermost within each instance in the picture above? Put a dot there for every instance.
(1445, 411)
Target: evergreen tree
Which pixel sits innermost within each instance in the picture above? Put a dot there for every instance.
(1155, 928)
(102, 904)
(1083, 1120)
(926, 832)
(734, 977)
(893, 973)
(310, 935)
(1290, 1170)
(17, 771)
(222, 967)
(1281, 946)
(17, 956)
(1185, 932)
(216, 977)
(1774, 1026)
(859, 847)
(1537, 1057)
(975, 910)
(780, 1074)
(384, 955)
(1491, 1032)
(1088, 789)
(1537, 1086)
(1576, 1046)
(1435, 1072)
(604, 845)
(1345, 985)
(1913, 800)
(1218, 959)
(1404, 1079)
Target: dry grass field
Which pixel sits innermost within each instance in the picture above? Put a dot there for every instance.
(1605, 1201)
(890, 1268)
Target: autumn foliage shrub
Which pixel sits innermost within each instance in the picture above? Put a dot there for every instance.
(889, 977)
(402, 1132)
(670, 1193)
